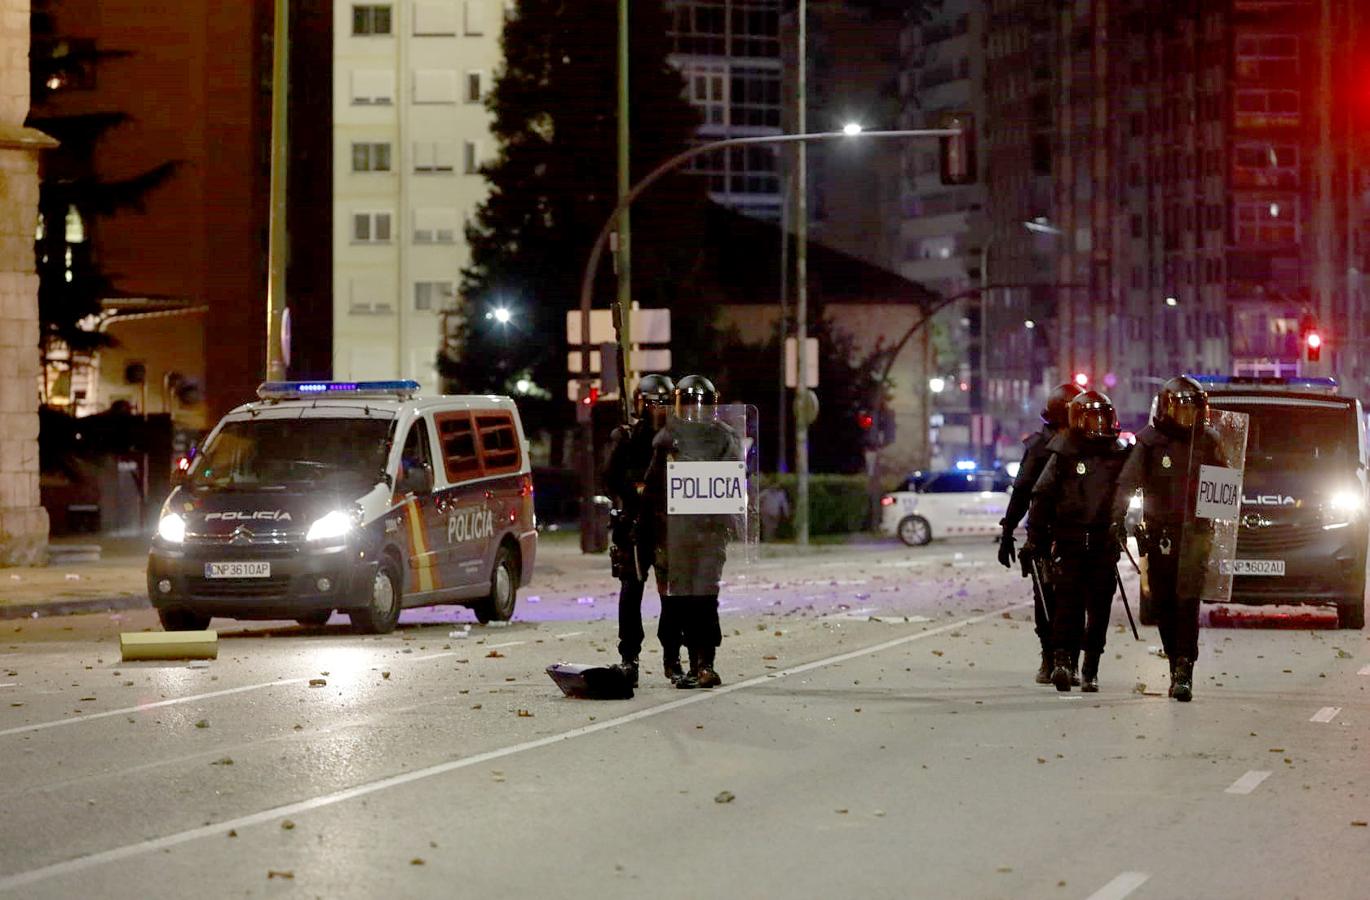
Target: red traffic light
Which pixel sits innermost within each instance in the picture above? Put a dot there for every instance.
(864, 420)
(591, 398)
(1081, 379)
(1314, 340)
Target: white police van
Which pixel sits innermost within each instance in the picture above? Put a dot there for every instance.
(362, 497)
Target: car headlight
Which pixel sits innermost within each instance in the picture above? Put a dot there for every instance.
(1346, 502)
(172, 529)
(333, 525)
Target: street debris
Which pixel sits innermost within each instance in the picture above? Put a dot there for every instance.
(724, 797)
(525, 714)
(494, 654)
(280, 873)
(225, 761)
(287, 825)
(203, 723)
(318, 682)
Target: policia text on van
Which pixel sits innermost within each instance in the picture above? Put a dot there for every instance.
(360, 497)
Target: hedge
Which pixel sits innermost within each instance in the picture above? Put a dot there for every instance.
(838, 504)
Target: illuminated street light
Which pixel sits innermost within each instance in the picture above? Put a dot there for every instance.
(937, 385)
(1171, 301)
(501, 315)
(851, 128)
(1028, 323)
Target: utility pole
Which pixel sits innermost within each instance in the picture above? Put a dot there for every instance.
(781, 463)
(276, 240)
(801, 302)
(625, 182)
(1324, 218)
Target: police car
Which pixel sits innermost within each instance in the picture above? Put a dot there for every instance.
(361, 497)
(960, 501)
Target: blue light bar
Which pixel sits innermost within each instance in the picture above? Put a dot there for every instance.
(294, 390)
(965, 465)
(1308, 382)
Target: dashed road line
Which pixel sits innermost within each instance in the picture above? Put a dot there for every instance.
(505, 644)
(128, 851)
(569, 634)
(1326, 714)
(1365, 670)
(1120, 886)
(1247, 783)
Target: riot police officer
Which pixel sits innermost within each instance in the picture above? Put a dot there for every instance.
(689, 561)
(1168, 451)
(1055, 420)
(1071, 522)
(630, 550)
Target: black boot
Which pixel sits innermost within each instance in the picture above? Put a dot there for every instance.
(1060, 674)
(1182, 681)
(1075, 668)
(1172, 677)
(1089, 674)
(670, 665)
(690, 680)
(1044, 670)
(629, 669)
(707, 676)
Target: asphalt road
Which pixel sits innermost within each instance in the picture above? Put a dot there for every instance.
(878, 735)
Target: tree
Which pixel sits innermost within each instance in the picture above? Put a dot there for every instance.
(554, 183)
(72, 194)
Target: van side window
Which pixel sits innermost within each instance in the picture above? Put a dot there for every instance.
(458, 439)
(415, 454)
(499, 446)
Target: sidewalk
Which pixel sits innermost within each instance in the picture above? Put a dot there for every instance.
(68, 585)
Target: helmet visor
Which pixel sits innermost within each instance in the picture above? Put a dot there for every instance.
(1183, 410)
(1094, 421)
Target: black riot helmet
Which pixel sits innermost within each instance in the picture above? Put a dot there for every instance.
(693, 394)
(1056, 412)
(1180, 406)
(652, 390)
(1092, 415)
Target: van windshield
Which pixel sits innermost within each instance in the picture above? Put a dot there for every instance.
(1297, 435)
(266, 454)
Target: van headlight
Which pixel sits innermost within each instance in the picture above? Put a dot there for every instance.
(172, 528)
(1346, 502)
(332, 526)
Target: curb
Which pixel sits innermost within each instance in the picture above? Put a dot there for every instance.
(73, 607)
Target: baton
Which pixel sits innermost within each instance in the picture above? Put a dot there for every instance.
(1130, 558)
(1038, 591)
(1128, 609)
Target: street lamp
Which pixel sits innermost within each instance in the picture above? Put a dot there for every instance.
(501, 314)
(851, 128)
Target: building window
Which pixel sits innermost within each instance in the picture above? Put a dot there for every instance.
(372, 19)
(434, 296)
(371, 157)
(1265, 165)
(373, 87)
(434, 156)
(435, 86)
(1265, 108)
(371, 228)
(707, 86)
(435, 18)
(369, 297)
(475, 87)
(470, 158)
(435, 226)
(1266, 222)
(474, 18)
(1268, 57)
(755, 96)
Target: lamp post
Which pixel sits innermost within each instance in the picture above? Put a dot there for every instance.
(587, 281)
(276, 251)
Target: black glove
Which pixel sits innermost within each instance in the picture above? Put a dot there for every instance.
(1006, 554)
(1118, 532)
(1025, 557)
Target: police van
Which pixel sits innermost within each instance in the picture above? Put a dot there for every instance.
(361, 497)
(1304, 529)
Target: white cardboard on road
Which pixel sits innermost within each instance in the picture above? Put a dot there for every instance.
(706, 488)
(1219, 495)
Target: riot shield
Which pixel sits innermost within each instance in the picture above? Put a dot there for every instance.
(704, 476)
(1208, 539)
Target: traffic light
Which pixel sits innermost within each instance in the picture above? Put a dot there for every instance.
(865, 421)
(1313, 342)
(958, 151)
(1082, 379)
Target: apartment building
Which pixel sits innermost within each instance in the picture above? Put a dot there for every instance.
(728, 52)
(410, 133)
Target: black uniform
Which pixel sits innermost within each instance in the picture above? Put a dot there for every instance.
(1036, 452)
(1162, 466)
(1071, 519)
(625, 473)
(689, 560)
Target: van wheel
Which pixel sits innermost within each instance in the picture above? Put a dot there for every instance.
(914, 531)
(1352, 614)
(504, 585)
(382, 611)
(178, 618)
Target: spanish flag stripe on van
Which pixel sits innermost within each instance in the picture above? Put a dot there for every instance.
(419, 542)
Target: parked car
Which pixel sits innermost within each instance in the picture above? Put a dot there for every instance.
(949, 503)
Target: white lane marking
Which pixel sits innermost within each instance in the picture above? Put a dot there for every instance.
(175, 701)
(1326, 714)
(505, 644)
(569, 634)
(1247, 783)
(1365, 670)
(10, 684)
(849, 613)
(81, 863)
(1121, 886)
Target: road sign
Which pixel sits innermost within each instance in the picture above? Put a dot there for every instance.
(810, 361)
(646, 326)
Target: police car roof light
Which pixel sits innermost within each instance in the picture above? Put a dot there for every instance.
(966, 465)
(294, 390)
(1306, 382)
